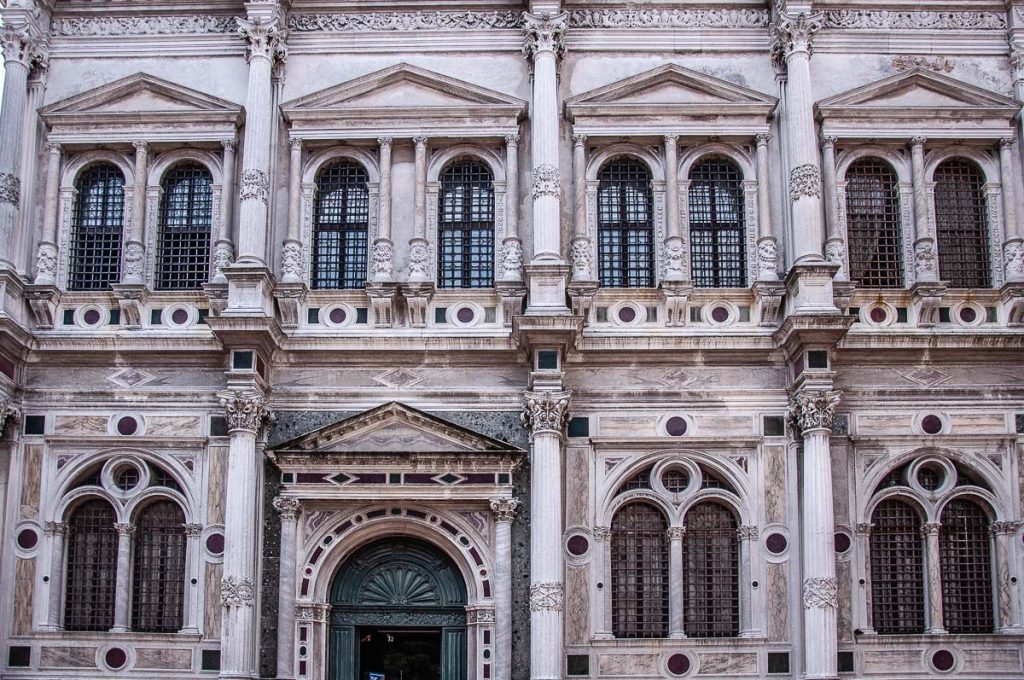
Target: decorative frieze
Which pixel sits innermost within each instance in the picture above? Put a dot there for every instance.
(543, 34)
(504, 509)
(546, 597)
(10, 189)
(312, 613)
(669, 18)
(546, 411)
(237, 592)
(813, 409)
(255, 185)
(911, 20)
(142, 25)
(246, 410)
(546, 181)
(805, 182)
(287, 507)
(906, 62)
(821, 592)
(404, 21)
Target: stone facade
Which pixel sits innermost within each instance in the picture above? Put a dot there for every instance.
(508, 426)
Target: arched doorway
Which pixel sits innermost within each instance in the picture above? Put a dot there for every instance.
(398, 612)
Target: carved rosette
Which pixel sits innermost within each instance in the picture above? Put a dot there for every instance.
(419, 258)
(237, 592)
(546, 181)
(10, 189)
(821, 592)
(546, 411)
(246, 410)
(546, 597)
(813, 410)
(544, 34)
(46, 262)
(768, 255)
(223, 254)
(134, 260)
(805, 182)
(504, 509)
(675, 533)
(582, 259)
(289, 508)
(924, 258)
(263, 38)
(1013, 260)
(255, 186)
(291, 260)
(511, 260)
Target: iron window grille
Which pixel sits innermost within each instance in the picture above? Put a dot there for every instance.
(91, 582)
(158, 581)
(625, 228)
(96, 229)
(897, 569)
(341, 218)
(465, 246)
(961, 220)
(873, 224)
(639, 559)
(186, 217)
(965, 554)
(711, 572)
(716, 225)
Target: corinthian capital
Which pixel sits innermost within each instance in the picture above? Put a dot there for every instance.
(546, 411)
(9, 413)
(544, 34)
(813, 409)
(23, 45)
(246, 410)
(264, 38)
(792, 34)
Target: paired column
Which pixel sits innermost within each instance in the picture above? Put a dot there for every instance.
(382, 261)
(767, 245)
(56, 531)
(504, 510)
(289, 509)
(580, 255)
(676, 626)
(135, 249)
(125, 532)
(933, 559)
(419, 252)
(512, 246)
(1013, 246)
(224, 248)
(834, 243)
(291, 253)
(46, 255)
(924, 246)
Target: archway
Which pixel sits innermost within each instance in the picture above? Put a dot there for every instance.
(398, 613)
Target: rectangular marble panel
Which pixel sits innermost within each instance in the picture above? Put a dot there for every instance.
(174, 659)
(735, 426)
(883, 424)
(577, 492)
(728, 664)
(174, 426)
(978, 423)
(991, 660)
(24, 583)
(80, 425)
(628, 664)
(775, 483)
(67, 657)
(845, 612)
(31, 472)
(778, 605)
(577, 606)
(885, 660)
(211, 594)
(840, 483)
(628, 426)
(215, 489)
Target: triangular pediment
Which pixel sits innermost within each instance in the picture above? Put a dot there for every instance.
(139, 93)
(395, 428)
(918, 89)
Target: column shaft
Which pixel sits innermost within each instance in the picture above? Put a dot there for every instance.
(546, 180)
(602, 576)
(419, 252)
(747, 536)
(581, 257)
(767, 245)
(504, 510)
(1013, 249)
(12, 119)
(382, 265)
(834, 249)
(288, 508)
(934, 584)
(546, 562)
(924, 248)
(46, 255)
(291, 254)
(124, 570)
(57, 534)
(223, 247)
(512, 185)
(676, 628)
(193, 576)
(135, 249)
(820, 586)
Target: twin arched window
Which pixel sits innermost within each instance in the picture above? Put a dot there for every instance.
(465, 239)
(186, 218)
(341, 222)
(96, 228)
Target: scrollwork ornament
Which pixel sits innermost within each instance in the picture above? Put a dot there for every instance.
(675, 533)
(910, 20)
(1013, 260)
(813, 409)
(55, 528)
(504, 509)
(291, 260)
(544, 34)
(419, 259)
(673, 258)
(193, 530)
(924, 258)
(546, 411)
(124, 529)
(134, 261)
(748, 532)
(673, 18)
(246, 410)
(255, 186)
(768, 255)
(602, 534)
(287, 507)
(794, 34)
(546, 597)
(10, 189)
(805, 182)
(821, 592)
(142, 25)
(223, 254)
(404, 21)
(546, 181)
(237, 592)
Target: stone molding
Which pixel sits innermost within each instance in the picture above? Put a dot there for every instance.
(142, 25)
(55, 528)
(821, 592)
(314, 612)
(246, 410)
(237, 592)
(403, 21)
(10, 189)
(914, 20)
(668, 18)
(907, 62)
(813, 409)
(602, 534)
(544, 34)
(287, 507)
(546, 597)
(546, 411)
(805, 182)
(504, 509)
(748, 532)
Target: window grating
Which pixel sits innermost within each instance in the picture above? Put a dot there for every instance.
(158, 582)
(641, 480)
(961, 221)
(716, 225)
(711, 572)
(341, 218)
(466, 238)
(966, 561)
(639, 550)
(624, 225)
(873, 224)
(186, 216)
(897, 569)
(91, 568)
(675, 480)
(96, 231)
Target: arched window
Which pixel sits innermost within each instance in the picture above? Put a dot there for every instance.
(961, 221)
(341, 219)
(716, 225)
(873, 224)
(966, 561)
(897, 569)
(711, 572)
(639, 549)
(96, 228)
(465, 244)
(158, 576)
(186, 215)
(625, 228)
(91, 580)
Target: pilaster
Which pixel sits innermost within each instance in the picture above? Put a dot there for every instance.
(289, 509)
(504, 511)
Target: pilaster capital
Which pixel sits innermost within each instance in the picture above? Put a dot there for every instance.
(55, 528)
(544, 33)
(670, 139)
(385, 141)
(9, 413)
(931, 529)
(579, 140)
(504, 509)
(236, 591)
(24, 45)
(193, 530)
(420, 141)
(794, 34)
(864, 529)
(124, 529)
(762, 139)
(53, 147)
(246, 410)
(813, 410)
(141, 147)
(1003, 528)
(1007, 143)
(546, 411)
(512, 139)
(918, 142)
(829, 141)
(1017, 63)
(287, 507)
(675, 533)
(546, 597)
(229, 144)
(295, 144)
(602, 534)
(264, 38)
(748, 532)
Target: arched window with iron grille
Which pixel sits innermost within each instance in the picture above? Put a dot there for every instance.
(96, 228)
(873, 224)
(897, 569)
(186, 217)
(711, 572)
(158, 574)
(625, 228)
(639, 561)
(717, 240)
(91, 581)
(465, 244)
(341, 220)
(965, 556)
(961, 222)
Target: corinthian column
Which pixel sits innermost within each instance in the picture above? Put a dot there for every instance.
(545, 414)
(419, 252)
(246, 412)
(224, 248)
(580, 255)
(834, 244)
(811, 413)
(382, 265)
(504, 510)
(46, 255)
(135, 249)
(933, 558)
(924, 246)
(512, 246)
(676, 629)
(289, 509)
(56, 531)
(1013, 247)
(291, 253)
(767, 245)
(125, 532)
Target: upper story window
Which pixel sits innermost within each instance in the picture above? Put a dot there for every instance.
(717, 238)
(96, 228)
(465, 248)
(159, 568)
(91, 567)
(340, 225)
(186, 215)
(624, 225)
(639, 548)
(873, 224)
(961, 221)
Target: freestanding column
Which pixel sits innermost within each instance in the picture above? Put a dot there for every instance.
(289, 509)
(676, 629)
(224, 248)
(246, 411)
(1009, 614)
(125, 532)
(291, 254)
(864, 542)
(675, 250)
(135, 249)
(46, 255)
(581, 258)
(192, 569)
(767, 246)
(834, 243)
(512, 246)
(56, 531)
(924, 246)
(545, 414)
(419, 253)
(383, 260)
(504, 510)
(602, 538)
(811, 412)
(933, 558)
(747, 535)
(1013, 247)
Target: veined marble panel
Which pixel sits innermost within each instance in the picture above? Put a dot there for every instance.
(884, 660)
(172, 659)
(80, 425)
(106, 378)
(67, 657)
(980, 660)
(845, 611)
(577, 492)
(978, 423)
(218, 458)
(627, 664)
(635, 426)
(775, 483)
(211, 593)
(675, 378)
(31, 470)
(840, 482)
(174, 426)
(778, 605)
(873, 377)
(728, 664)
(577, 604)
(24, 585)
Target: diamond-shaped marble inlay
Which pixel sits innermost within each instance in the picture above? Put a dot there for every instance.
(676, 378)
(341, 478)
(449, 478)
(130, 377)
(400, 378)
(927, 376)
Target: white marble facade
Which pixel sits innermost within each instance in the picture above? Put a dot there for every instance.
(293, 426)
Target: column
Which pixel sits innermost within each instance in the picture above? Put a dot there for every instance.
(675, 250)
(46, 255)
(747, 536)
(246, 411)
(676, 628)
(811, 413)
(265, 45)
(934, 585)
(383, 259)
(291, 253)
(193, 548)
(602, 581)
(512, 246)
(924, 246)
(125, 531)
(419, 251)
(135, 249)
(504, 510)
(581, 256)
(767, 245)
(224, 247)
(834, 248)
(1013, 246)
(56, 531)
(867, 624)
(1002, 534)
(288, 509)
(545, 413)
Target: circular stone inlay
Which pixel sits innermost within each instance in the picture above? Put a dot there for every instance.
(215, 544)
(179, 316)
(719, 314)
(27, 539)
(676, 426)
(842, 542)
(776, 543)
(627, 315)
(465, 315)
(91, 317)
(127, 426)
(577, 545)
(877, 314)
(931, 424)
(968, 314)
(337, 315)
(115, 657)
(678, 664)
(943, 660)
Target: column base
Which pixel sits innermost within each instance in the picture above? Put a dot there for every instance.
(547, 282)
(603, 635)
(936, 631)
(250, 290)
(678, 635)
(809, 288)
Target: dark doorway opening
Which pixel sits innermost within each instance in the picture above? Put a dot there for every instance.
(399, 654)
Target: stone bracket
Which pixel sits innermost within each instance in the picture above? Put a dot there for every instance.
(289, 297)
(382, 298)
(417, 297)
(926, 298)
(131, 298)
(512, 294)
(676, 295)
(217, 296)
(43, 300)
(769, 296)
(842, 293)
(581, 293)
(1012, 298)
